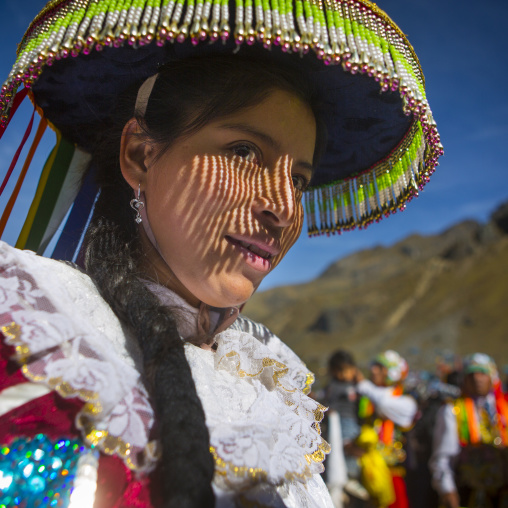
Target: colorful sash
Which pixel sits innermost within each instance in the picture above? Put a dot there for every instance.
(475, 425)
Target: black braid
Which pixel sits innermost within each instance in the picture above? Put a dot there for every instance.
(111, 260)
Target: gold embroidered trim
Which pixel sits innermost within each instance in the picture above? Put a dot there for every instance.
(309, 381)
(93, 436)
(319, 454)
(280, 370)
(256, 474)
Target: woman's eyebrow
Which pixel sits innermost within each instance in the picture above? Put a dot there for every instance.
(264, 137)
(253, 131)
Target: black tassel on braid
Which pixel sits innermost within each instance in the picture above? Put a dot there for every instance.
(110, 259)
(187, 95)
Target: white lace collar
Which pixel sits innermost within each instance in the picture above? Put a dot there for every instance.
(262, 426)
(189, 317)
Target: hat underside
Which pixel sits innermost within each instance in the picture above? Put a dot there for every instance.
(382, 140)
(363, 125)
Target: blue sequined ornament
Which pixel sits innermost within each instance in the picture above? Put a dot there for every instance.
(38, 472)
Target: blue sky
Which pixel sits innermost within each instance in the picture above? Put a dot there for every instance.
(461, 50)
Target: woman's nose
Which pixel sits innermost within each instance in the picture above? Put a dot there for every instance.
(275, 201)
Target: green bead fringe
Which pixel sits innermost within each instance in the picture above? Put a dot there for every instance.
(366, 197)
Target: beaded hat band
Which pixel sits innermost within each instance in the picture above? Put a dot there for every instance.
(78, 55)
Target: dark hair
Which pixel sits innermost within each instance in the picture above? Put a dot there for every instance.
(339, 360)
(186, 96)
(454, 378)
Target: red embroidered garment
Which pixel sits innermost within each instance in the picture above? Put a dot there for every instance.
(54, 416)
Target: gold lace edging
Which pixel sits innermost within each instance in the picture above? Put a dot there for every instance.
(94, 437)
(225, 469)
(280, 370)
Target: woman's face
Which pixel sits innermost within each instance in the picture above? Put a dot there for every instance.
(224, 204)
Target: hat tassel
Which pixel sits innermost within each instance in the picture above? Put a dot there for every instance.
(366, 197)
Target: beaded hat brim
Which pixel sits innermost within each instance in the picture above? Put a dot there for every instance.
(78, 55)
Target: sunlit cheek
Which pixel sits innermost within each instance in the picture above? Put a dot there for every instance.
(222, 192)
(190, 202)
(290, 235)
(284, 189)
(242, 183)
(288, 205)
(275, 189)
(250, 175)
(216, 196)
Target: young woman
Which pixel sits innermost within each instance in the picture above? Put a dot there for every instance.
(131, 379)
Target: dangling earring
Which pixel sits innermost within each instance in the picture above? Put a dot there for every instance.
(137, 205)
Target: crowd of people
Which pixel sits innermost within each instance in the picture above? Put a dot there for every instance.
(415, 440)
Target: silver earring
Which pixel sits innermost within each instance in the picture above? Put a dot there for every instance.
(137, 205)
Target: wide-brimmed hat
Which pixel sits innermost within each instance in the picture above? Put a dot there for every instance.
(77, 56)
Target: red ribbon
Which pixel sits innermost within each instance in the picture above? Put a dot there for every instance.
(18, 151)
(18, 99)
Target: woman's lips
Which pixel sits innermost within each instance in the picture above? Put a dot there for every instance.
(257, 254)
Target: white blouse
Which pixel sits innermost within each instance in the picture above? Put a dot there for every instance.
(264, 429)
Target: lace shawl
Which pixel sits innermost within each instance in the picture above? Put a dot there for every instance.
(264, 430)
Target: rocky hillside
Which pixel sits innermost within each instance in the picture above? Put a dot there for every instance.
(422, 296)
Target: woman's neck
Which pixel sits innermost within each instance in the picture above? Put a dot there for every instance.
(156, 269)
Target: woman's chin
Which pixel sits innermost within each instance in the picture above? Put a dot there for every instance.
(230, 294)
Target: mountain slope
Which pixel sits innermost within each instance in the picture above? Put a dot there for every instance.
(422, 296)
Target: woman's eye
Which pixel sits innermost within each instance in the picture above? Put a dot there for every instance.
(248, 152)
(300, 182)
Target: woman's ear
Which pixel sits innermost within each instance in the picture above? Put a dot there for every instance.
(134, 152)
